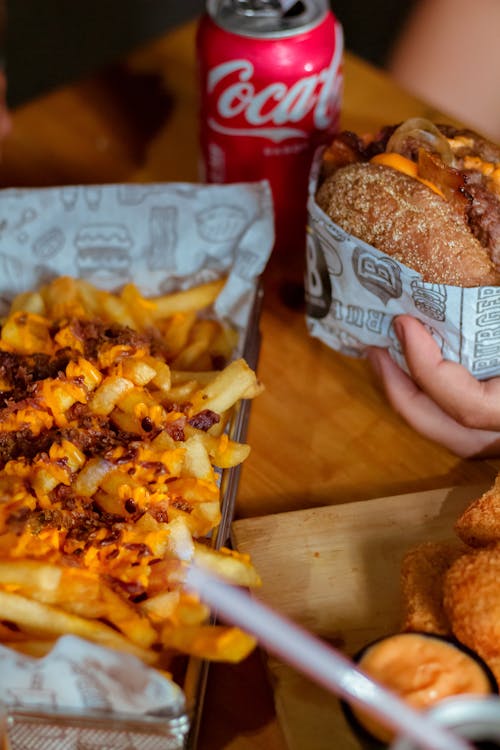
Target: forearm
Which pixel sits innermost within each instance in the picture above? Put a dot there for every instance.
(448, 54)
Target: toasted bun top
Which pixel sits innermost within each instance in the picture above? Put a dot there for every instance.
(400, 216)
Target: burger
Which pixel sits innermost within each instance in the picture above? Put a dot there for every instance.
(426, 194)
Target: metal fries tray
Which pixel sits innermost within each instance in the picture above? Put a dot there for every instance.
(197, 672)
(31, 729)
(27, 728)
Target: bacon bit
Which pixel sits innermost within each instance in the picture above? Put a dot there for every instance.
(159, 511)
(176, 429)
(204, 419)
(345, 148)
(124, 458)
(132, 588)
(112, 538)
(130, 505)
(182, 504)
(156, 466)
(142, 549)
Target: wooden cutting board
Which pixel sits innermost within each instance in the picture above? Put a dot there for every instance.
(335, 570)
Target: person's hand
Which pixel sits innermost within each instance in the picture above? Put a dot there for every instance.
(441, 400)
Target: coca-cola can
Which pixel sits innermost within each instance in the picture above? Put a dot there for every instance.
(270, 79)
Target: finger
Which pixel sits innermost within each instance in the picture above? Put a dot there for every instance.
(470, 402)
(425, 416)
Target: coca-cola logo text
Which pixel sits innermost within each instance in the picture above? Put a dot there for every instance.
(270, 112)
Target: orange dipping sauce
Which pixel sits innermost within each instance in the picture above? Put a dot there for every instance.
(422, 670)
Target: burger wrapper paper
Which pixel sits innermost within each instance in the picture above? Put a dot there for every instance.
(354, 291)
(160, 237)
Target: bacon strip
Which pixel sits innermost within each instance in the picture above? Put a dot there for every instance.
(451, 182)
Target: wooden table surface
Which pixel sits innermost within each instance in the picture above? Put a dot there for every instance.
(322, 433)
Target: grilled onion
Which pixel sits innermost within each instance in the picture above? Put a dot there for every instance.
(416, 133)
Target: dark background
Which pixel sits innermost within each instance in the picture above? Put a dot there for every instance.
(51, 42)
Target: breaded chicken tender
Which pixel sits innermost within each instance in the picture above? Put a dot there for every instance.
(471, 597)
(422, 573)
(479, 524)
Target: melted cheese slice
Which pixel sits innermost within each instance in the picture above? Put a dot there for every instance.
(407, 166)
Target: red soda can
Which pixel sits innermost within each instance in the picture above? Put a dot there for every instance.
(270, 94)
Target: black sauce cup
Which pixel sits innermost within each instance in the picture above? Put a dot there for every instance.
(368, 740)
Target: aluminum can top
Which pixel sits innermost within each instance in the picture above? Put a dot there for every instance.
(266, 18)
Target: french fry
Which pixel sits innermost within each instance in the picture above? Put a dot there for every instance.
(214, 642)
(200, 519)
(178, 377)
(200, 338)
(160, 607)
(30, 574)
(10, 632)
(222, 451)
(182, 392)
(31, 302)
(227, 388)
(119, 492)
(44, 620)
(26, 333)
(76, 592)
(128, 619)
(229, 564)
(188, 300)
(138, 371)
(65, 297)
(92, 474)
(162, 378)
(116, 310)
(31, 647)
(111, 390)
(141, 309)
(196, 460)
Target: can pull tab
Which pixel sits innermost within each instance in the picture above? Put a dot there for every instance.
(258, 7)
(269, 7)
(291, 7)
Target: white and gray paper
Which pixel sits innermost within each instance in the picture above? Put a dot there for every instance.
(78, 674)
(81, 677)
(160, 236)
(354, 291)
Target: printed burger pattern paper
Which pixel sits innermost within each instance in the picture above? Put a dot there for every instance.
(353, 293)
(159, 236)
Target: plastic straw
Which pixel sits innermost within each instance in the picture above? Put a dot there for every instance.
(319, 661)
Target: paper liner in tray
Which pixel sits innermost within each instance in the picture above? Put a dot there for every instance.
(354, 291)
(161, 237)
